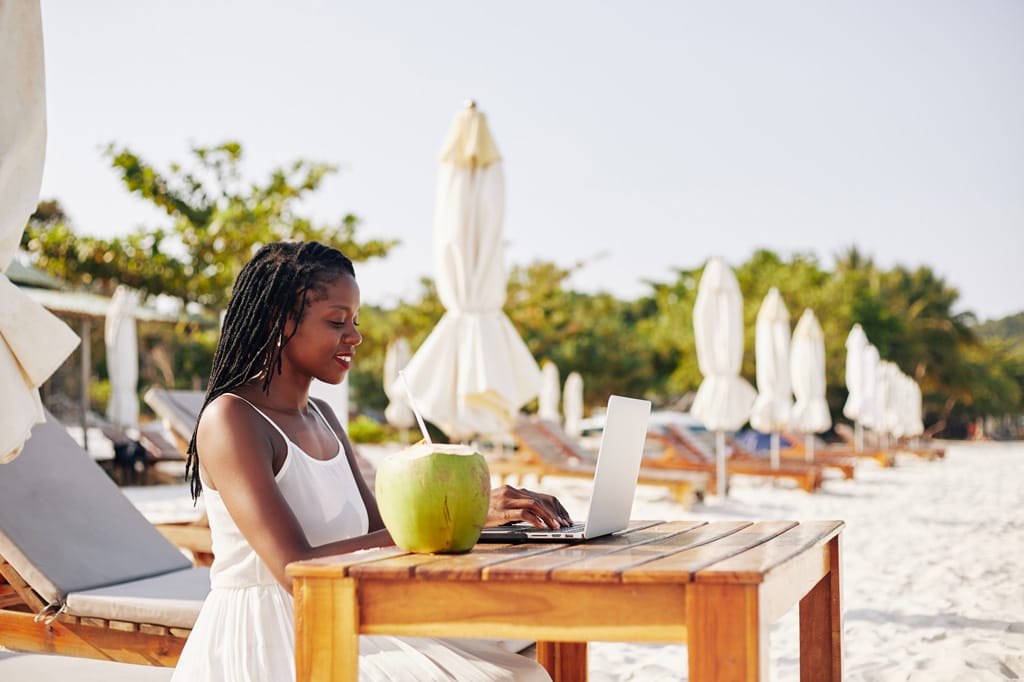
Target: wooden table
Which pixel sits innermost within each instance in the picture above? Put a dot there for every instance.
(715, 586)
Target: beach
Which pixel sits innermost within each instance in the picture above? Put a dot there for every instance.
(932, 553)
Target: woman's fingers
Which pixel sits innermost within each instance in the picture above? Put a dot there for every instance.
(517, 504)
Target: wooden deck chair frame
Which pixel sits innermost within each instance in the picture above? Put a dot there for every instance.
(82, 572)
(844, 466)
(545, 449)
(681, 452)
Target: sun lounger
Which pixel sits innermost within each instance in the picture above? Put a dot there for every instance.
(825, 451)
(682, 451)
(545, 449)
(82, 572)
(871, 441)
(842, 465)
(22, 667)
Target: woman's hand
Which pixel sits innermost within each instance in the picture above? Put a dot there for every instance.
(510, 504)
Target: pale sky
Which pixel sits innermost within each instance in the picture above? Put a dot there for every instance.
(641, 136)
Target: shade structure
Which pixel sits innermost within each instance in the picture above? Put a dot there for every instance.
(396, 357)
(121, 339)
(33, 342)
(770, 412)
(550, 392)
(869, 414)
(856, 344)
(473, 372)
(572, 403)
(724, 398)
(807, 373)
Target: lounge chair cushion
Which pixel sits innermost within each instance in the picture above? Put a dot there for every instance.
(171, 599)
(18, 667)
(66, 527)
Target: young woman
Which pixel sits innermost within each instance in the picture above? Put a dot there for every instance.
(281, 482)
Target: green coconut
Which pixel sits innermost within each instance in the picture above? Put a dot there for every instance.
(434, 498)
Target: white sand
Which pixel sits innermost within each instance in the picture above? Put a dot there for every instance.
(933, 565)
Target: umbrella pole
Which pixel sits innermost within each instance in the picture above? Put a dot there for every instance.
(720, 463)
(809, 447)
(775, 450)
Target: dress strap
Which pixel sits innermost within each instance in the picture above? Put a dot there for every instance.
(263, 414)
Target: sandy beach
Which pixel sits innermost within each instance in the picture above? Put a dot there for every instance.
(932, 582)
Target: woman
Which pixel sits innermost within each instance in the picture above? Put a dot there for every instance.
(281, 483)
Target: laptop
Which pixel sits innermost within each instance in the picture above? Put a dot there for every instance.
(615, 478)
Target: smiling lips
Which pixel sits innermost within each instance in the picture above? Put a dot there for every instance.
(344, 359)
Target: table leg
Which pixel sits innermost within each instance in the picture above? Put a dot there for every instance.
(821, 625)
(326, 630)
(726, 641)
(564, 661)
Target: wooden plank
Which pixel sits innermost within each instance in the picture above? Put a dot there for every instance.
(609, 567)
(398, 567)
(326, 630)
(471, 566)
(20, 632)
(544, 611)
(821, 624)
(683, 565)
(338, 565)
(538, 567)
(727, 639)
(564, 661)
(754, 565)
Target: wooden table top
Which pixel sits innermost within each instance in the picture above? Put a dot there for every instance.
(729, 552)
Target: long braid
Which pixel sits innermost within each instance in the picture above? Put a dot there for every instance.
(274, 285)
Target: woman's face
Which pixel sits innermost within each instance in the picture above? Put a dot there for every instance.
(324, 343)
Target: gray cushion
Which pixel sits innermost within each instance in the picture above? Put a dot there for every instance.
(178, 408)
(172, 599)
(66, 527)
(17, 667)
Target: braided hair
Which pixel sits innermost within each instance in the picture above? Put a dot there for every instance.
(278, 283)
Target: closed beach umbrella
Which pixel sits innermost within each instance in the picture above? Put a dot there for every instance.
(33, 341)
(724, 398)
(770, 413)
(869, 415)
(810, 413)
(550, 389)
(853, 409)
(572, 403)
(396, 357)
(473, 373)
(121, 339)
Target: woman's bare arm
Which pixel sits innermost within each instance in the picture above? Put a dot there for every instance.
(236, 448)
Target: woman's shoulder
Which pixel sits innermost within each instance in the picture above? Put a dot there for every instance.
(229, 416)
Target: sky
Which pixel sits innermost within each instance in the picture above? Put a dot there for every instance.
(637, 137)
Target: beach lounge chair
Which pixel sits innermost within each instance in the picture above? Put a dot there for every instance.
(82, 572)
(545, 449)
(841, 464)
(681, 450)
(871, 440)
(824, 451)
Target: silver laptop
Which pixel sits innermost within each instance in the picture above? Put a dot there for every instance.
(615, 477)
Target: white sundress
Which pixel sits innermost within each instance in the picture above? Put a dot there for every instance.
(245, 629)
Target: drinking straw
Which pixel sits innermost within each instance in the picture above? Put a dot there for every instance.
(412, 404)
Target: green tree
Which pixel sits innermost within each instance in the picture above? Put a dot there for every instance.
(217, 222)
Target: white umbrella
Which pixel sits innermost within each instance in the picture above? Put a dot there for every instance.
(121, 339)
(572, 403)
(547, 400)
(770, 413)
(396, 357)
(473, 373)
(33, 342)
(869, 414)
(807, 371)
(724, 398)
(856, 345)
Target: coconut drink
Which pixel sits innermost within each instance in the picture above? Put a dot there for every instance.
(434, 497)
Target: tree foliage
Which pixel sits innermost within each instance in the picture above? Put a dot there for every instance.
(217, 221)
